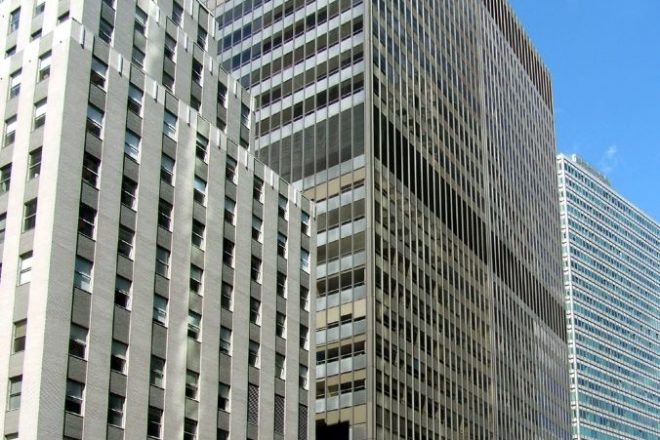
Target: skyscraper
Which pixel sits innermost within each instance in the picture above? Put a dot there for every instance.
(612, 281)
(155, 276)
(423, 130)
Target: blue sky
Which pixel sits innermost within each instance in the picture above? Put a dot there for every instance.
(604, 57)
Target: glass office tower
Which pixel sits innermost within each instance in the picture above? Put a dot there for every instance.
(612, 281)
(423, 130)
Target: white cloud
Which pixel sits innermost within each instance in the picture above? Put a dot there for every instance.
(609, 160)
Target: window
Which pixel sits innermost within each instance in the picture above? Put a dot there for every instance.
(135, 96)
(165, 215)
(170, 48)
(304, 298)
(198, 229)
(304, 337)
(74, 397)
(280, 325)
(230, 169)
(5, 178)
(10, 130)
(138, 57)
(281, 245)
(304, 260)
(105, 30)
(86, 220)
(245, 115)
(34, 163)
(168, 81)
(39, 114)
(199, 190)
(154, 422)
(196, 278)
(15, 83)
(140, 21)
(194, 325)
(167, 169)
(116, 410)
(224, 392)
(25, 268)
(255, 270)
(157, 373)
(122, 291)
(3, 226)
(82, 277)
(257, 226)
(132, 145)
(14, 20)
(253, 404)
(118, 356)
(29, 215)
(99, 73)
(39, 7)
(44, 66)
(163, 261)
(228, 252)
(90, 171)
(160, 309)
(225, 340)
(128, 192)
(11, 51)
(230, 211)
(14, 394)
(281, 284)
(189, 429)
(282, 207)
(253, 354)
(177, 13)
(303, 379)
(202, 36)
(222, 434)
(305, 223)
(169, 124)
(280, 366)
(201, 148)
(20, 329)
(78, 341)
(192, 384)
(197, 72)
(125, 242)
(258, 190)
(222, 94)
(94, 121)
(226, 296)
(255, 311)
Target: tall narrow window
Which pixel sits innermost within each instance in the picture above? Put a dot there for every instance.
(167, 169)
(280, 325)
(230, 211)
(201, 147)
(303, 373)
(281, 245)
(202, 36)
(198, 234)
(304, 337)
(20, 329)
(282, 207)
(163, 261)
(14, 394)
(245, 115)
(39, 7)
(10, 130)
(15, 83)
(5, 178)
(196, 278)
(189, 429)
(154, 422)
(255, 311)
(224, 397)
(226, 296)
(99, 73)
(230, 169)
(86, 220)
(90, 171)
(14, 20)
(44, 66)
(197, 72)
(118, 356)
(199, 190)
(106, 30)
(304, 260)
(157, 374)
(258, 190)
(132, 145)
(78, 341)
(138, 57)
(135, 96)
(74, 397)
(254, 358)
(160, 309)
(116, 410)
(255, 270)
(3, 226)
(281, 284)
(122, 291)
(257, 228)
(129, 192)
(25, 268)
(222, 94)
(170, 48)
(29, 215)
(94, 121)
(280, 366)
(177, 13)
(228, 252)
(225, 340)
(304, 299)
(253, 404)
(192, 384)
(305, 223)
(125, 242)
(34, 163)
(39, 114)
(82, 277)
(169, 124)
(140, 21)
(165, 214)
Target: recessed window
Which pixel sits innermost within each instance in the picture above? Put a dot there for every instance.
(39, 114)
(245, 115)
(304, 260)
(14, 20)
(39, 7)
(157, 374)
(25, 268)
(255, 270)
(255, 311)
(167, 169)
(74, 397)
(304, 337)
(140, 21)
(129, 193)
(168, 81)
(138, 57)
(10, 130)
(194, 325)
(224, 400)
(95, 121)
(44, 66)
(257, 229)
(116, 410)
(78, 341)
(169, 124)
(226, 296)
(201, 147)
(170, 48)
(281, 245)
(230, 169)
(90, 171)
(163, 261)
(29, 215)
(230, 211)
(282, 207)
(15, 83)
(192, 384)
(135, 96)
(82, 277)
(34, 164)
(303, 381)
(258, 190)
(122, 291)
(132, 145)
(305, 223)
(281, 284)
(196, 278)
(14, 393)
(202, 36)
(228, 252)
(304, 298)
(280, 325)
(99, 73)
(3, 226)
(199, 190)
(20, 330)
(118, 356)
(189, 429)
(198, 229)
(160, 309)
(280, 366)
(222, 94)
(125, 242)
(105, 30)
(225, 340)
(165, 214)
(86, 220)
(154, 422)
(197, 72)
(177, 13)
(254, 354)
(5, 178)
